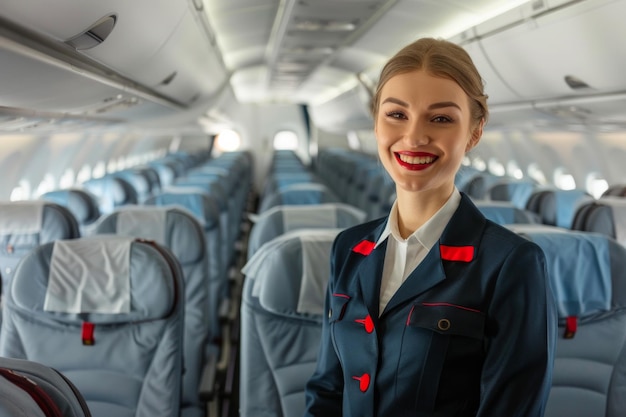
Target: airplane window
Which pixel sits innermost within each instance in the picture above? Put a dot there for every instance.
(537, 174)
(84, 174)
(47, 184)
(514, 170)
(175, 144)
(67, 179)
(111, 166)
(227, 141)
(479, 164)
(353, 140)
(122, 163)
(596, 185)
(496, 168)
(563, 180)
(99, 170)
(287, 140)
(21, 192)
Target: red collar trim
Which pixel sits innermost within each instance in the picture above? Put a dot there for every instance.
(457, 253)
(364, 247)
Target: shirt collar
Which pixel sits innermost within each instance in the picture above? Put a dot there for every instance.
(428, 234)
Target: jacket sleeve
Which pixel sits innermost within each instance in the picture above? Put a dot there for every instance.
(517, 372)
(324, 390)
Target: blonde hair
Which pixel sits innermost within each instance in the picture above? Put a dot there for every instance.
(439, 58)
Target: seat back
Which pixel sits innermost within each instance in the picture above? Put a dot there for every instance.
(557, 207)
(112, 192)
(26, 224)
(208, 211)
(606, 216)
(504, 212)
(82, 204)
(299, 194)
(517, 192)
(282, 219)
(178, 230)
(107, 312)
(588, 276)
(35, 390)
(281, 321)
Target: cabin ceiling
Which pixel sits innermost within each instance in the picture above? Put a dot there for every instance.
(188, 64)
(310, 51)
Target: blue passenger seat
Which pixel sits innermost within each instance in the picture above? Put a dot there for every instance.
(82, 204)
(281, 321)
(107, 312)
(179, 230)
(557, 207)
(112, 192)
(282, 219)
(606, 215)
(219, 194)
(26, 224)
(299, 194)
(588, 277)
(505, 212)
(30, 389)
(516, 191)
(206, 208)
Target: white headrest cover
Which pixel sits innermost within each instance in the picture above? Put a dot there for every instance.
(89, 278)
(148, 223)
(21, 217)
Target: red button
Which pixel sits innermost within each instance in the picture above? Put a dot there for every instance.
(367, 322)
(364, 381)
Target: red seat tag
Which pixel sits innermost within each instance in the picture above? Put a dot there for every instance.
(88, 329)
(571, 325)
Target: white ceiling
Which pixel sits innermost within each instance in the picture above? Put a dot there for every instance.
(273, 57)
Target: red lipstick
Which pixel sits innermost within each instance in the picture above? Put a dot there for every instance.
(415, 167)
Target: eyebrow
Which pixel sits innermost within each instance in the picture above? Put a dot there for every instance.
(433, 106)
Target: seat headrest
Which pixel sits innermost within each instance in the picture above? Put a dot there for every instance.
(21, 217)
(617, 205)
(502, 212)
(579, 267)
(170, 226)
(82, 203)
(566, 203)
(101, 279)
(291, 272)
(193, 199)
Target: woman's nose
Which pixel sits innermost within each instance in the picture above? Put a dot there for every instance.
(416, 134)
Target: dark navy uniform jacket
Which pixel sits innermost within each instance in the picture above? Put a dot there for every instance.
(471, 332)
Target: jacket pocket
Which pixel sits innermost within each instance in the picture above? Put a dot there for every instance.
(448, 319)
(338, 304)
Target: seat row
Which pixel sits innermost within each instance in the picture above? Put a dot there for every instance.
(182, 224)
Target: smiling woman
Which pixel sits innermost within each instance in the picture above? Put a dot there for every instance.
(452, 326)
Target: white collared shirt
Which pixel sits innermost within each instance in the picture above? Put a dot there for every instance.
(404, 255)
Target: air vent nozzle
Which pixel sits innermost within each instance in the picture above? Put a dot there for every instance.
(575, 83)
(95, 35)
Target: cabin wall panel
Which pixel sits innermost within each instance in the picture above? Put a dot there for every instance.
(583, 40)
(348, 111)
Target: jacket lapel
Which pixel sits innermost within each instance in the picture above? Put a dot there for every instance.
(370, 269)
(427, 274)
(458, 243)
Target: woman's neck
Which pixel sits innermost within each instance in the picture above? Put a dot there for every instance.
(416, 207)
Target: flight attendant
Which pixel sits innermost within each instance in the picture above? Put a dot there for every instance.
(433, 310)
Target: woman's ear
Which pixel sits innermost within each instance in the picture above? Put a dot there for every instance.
(477, 133)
